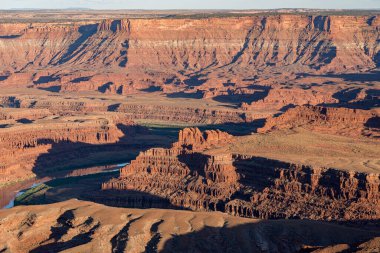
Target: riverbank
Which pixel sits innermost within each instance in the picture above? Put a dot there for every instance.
(15, 193)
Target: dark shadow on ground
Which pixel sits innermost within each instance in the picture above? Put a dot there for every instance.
(113, 107)
(65, 156)
(373, 76)
(260, 93)
(373, 122)
(363, 104)
(10, 36)
(88, 188)
(24, 121)
(347, 98)
(152, 89)
(196, 162)
(103, 88)
(81, 79)
(347, 95)
(46, 79)
(237, 129)
(285, 108)
(3, 78)
(195, 81)
(54, 88)
(61, 228)
(181, 94)
(79, 45)
(269, 236)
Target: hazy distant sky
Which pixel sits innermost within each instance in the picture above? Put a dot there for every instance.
(191, 4)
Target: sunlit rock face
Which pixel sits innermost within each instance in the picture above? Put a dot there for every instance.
(247, 186)
(124, 56)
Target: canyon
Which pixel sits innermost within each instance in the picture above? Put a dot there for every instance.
(262, 124)
(203, 58)
(248, 186)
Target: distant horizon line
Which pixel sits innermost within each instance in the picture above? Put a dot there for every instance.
(176, 9)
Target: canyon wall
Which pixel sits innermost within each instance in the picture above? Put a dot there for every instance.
(184, 114)
(247, 186)
(176, 113)
(343, 121)
(126, 56)
(40, 147)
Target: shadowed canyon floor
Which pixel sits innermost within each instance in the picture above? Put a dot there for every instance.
(238, 131)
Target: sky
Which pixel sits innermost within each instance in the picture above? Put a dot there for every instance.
(191, 4)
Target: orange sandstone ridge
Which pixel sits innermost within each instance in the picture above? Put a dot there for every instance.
(247, 186)
(204, 57)
(78, 226)
(33, 147)
(343, 121)
(299, 93)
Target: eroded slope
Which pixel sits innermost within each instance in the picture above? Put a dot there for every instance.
(76, 226)
(195, 174)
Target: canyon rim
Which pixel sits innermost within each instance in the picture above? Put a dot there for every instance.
(189, 130)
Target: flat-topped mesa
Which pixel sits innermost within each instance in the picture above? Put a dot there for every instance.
(165, 53)
(28, 138)
(279, 98)
(344, 121)
(190, 141)
(248, 186)
(183, 114)
(36, 143)
(162, 171)
(122, 25)
(194, 139)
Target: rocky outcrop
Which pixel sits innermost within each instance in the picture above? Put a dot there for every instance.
(125, 56)
(163, 112)
(10, 114)
(248, 186)
(114, 26)
(349, 122)
(279, 98)
(24, 142)
(194, 139)
(79, 226)
(183, 114)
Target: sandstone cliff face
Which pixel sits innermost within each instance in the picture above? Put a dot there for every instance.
(183, 114)
(136, 54)
(279, 98)
(23, 143)
(78, 226)
(248, 186)
(132, 111)
(349, 122)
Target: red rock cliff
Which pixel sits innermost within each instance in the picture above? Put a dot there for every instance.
(130, 55)
(247, 186)
(351, 122)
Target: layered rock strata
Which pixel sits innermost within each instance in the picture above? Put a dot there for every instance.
(349, 122)
(27, 147)
(126, 56)
(247, 186)
(78, 226)
(184, 114)
(133, 111)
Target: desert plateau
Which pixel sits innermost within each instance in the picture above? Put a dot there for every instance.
(189, 130)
